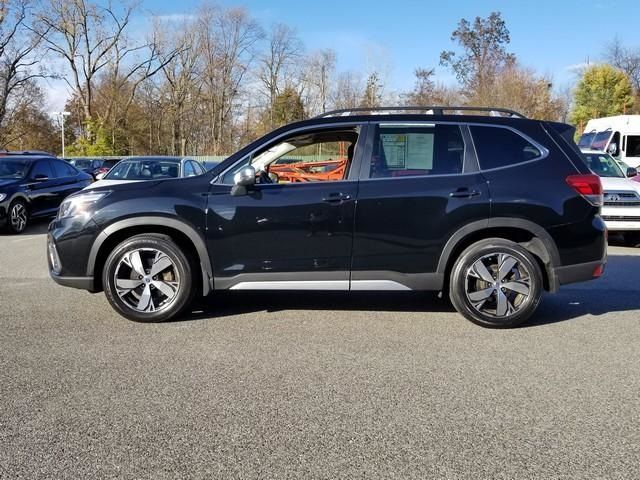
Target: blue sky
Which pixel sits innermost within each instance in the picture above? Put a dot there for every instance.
(394, 37)
(550, 36)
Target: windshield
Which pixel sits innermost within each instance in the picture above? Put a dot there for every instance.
(586, 139)
(600, 140)
(81, 163)
(13, 169)
(144, 170)
(603, 165)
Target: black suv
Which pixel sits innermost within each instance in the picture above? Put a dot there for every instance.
(33, 185)
(491, 209)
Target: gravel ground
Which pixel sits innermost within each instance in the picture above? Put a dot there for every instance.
(316, 385)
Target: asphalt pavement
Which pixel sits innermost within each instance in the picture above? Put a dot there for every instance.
(299, 385)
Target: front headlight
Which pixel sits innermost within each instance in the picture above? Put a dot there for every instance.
(79, 204)
(3, 196)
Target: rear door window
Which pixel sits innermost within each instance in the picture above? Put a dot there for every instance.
(416, 150)
(501, 147)
(42, 167)
(63, 169)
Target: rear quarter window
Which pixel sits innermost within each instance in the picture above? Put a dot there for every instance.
(501, 147)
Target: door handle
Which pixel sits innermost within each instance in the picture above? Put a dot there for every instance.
(336, 198)
(464, 193)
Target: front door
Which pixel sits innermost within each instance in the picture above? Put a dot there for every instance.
(294, 228)
(421, 185)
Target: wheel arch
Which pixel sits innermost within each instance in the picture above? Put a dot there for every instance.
(529, 235)
(20, 196)
(182, 233)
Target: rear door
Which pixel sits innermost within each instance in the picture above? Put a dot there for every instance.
(421, 185)
(67, 179)
(42, 186)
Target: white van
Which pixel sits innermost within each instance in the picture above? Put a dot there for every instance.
(619, 136)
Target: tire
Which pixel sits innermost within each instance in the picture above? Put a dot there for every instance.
(496, 304)
(17, 216)
(141, 294)
(632, 239)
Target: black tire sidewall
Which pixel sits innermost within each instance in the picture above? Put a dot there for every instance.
(181, 262)
(9, 224)
(470, 256)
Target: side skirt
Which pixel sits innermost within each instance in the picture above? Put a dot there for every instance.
(332, 281)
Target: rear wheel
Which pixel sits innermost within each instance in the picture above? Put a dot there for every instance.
(496, 283)
(18, 216)
(148, 278)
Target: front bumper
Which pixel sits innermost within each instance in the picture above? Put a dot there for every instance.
(620, 219)
(4, 208)
(83, 283)
(617, 224)
(69, 242)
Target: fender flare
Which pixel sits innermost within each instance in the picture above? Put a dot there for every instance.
(542, 244)
(16, 196)
(175, 224)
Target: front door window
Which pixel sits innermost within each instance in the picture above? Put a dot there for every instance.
(318, 156)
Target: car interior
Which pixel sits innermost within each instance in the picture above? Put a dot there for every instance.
(411, 151)
(147, 170)
(314, 157)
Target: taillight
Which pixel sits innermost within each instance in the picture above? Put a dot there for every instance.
(598, 271)
(589, 186)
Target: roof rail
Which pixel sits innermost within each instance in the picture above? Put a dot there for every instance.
(428, 110)
(24, 152)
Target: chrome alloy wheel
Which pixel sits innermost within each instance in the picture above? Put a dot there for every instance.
(18, 216)
(146, 280)
(498, 285)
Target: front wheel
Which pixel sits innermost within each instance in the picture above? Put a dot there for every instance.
(496, 283)
(148, 278)
(18, 216)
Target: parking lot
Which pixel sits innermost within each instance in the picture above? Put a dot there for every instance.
(268, 385)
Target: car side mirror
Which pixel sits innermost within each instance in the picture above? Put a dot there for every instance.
(632, 172)
(40, 177)
(243, 180)
(612, 149)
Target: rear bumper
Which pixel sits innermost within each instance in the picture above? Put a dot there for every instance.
(580, 272)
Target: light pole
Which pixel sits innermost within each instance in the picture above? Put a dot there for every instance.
(62, 115)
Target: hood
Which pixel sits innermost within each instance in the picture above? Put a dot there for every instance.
(619, 184)
(109, 183)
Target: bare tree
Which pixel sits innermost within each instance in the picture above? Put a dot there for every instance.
(626, 59)
(284, 49)
(423, 92)
(372, 97)
(427, 92)
(18, 57)
(182, 73)
(92, 38)
(348, 91)
(483, 55)
(229, 40)
(318, 77)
